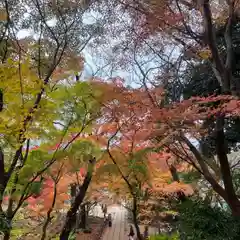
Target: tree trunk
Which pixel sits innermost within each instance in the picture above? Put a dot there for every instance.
(235, 207)
(7, 235)
(71, 214)
(7, 225)
(135, 219)
(180, 194)
(221, 149)
(73, 191)
(7, 231)
(83, 217)
(1, 100)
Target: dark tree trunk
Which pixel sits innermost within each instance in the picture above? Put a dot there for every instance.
(6, 235)
(83, 217)
(180, 194)
(221, 149)
(135, 218)
(71, 214)
(174, 173)
(73, 191)
(7, 231)
(2, 171)
(1, 100)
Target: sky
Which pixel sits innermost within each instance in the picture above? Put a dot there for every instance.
(92, 62)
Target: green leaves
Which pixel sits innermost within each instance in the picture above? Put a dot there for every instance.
(107, 168)
(4, 224)
(35, 188)
(165, 237)
(190, 177)
(203, 222)
(137, 165)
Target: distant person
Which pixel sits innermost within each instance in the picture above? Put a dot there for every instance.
(109, 220)
(145, 233)
(131, 233)
(104, 209)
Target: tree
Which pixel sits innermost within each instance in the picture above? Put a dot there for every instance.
(126, 129)
(69, 170)
(208, 222)
(71, 214)
(53, 119)
(173, 129)
(201, 42)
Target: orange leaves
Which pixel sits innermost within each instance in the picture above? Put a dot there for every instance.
(161, 186)
(57, 182)
(159, 161)
(176, 187)
(232, 107)
(108, 128)
(151, 17)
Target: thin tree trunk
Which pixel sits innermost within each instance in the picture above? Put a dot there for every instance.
(83, 217)
(135, 219)
(180, 194)
(48, 219)
(73, 190)
(7, 231)
(7, 235)
(71, 214)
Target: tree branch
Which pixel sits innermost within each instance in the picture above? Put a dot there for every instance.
(212, 43)
(217, 188)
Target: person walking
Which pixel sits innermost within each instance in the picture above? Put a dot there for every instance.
(145, 233)
(109, 220)
(104, 209)
(131, 233)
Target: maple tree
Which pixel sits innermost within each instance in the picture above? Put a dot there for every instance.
(127, 128)
(31, 68)
(193, 29)
(145, 134)
(33, 112)
(173, 128)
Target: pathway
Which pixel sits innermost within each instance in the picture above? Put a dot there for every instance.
(119, 228)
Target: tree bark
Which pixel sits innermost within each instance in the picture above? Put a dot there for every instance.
(83, 217)
(7, 231)
(71, 214)
(1, 100)
(180, 194)
(6, 235)
(204, 168)
(221, 149)
(2, 171)
(135, 219)
(2, 174)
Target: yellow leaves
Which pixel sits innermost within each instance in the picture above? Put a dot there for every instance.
(19, 85)
(205, 54)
